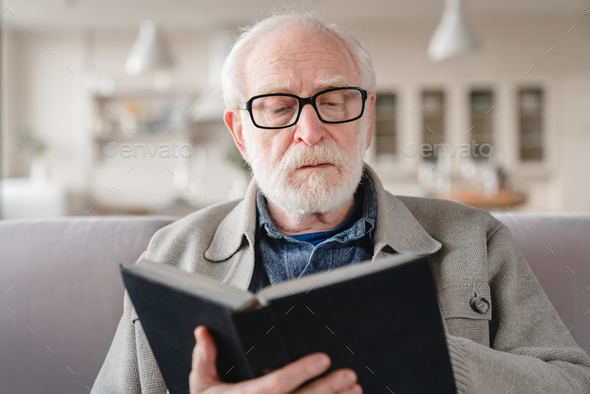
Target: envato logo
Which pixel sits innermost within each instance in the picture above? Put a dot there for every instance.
(126, 151)
(464, 150)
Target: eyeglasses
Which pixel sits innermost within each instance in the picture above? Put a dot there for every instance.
(278, 111)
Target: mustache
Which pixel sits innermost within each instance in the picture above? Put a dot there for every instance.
(298, 156)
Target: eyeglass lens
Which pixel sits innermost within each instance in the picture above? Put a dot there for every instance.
(332, 106)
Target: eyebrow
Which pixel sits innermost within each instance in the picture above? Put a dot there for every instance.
(273, 88)
(334, 81)
(322, 83)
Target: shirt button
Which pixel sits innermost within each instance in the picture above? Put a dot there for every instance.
(267, 233)
(480, 305)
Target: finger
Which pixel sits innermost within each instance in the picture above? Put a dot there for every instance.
(356, 389)
(289, 377)
(204, 356)
(195, 383)
(336, 382)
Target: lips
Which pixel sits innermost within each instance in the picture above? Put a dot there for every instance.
(316, 165)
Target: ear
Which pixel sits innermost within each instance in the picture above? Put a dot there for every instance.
(232, 120)
(369, 109)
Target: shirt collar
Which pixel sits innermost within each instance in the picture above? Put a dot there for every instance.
(394, 226)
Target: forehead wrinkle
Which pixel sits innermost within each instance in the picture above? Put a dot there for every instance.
(300, 57)
(333, 60)
(322, 82)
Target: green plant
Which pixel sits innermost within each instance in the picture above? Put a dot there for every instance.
(234, 156)
(28, 141)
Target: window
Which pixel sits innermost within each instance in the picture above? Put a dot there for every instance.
(385, 124)
(433, 117)
(482, 104)
(530, 113)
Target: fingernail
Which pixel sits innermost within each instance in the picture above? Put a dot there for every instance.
(321, 363)
(348, 378)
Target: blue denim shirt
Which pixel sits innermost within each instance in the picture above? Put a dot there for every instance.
(281, 257)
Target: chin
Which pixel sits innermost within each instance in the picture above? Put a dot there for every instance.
(314, 192)
(306, 177)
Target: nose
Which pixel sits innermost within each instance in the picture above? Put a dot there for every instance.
(309, 128)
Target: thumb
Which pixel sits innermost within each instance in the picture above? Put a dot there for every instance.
(204, 356)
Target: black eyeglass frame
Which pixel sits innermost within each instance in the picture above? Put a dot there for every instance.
(247, 105)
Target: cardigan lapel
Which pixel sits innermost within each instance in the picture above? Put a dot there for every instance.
(240, 222)
(395, 225)
(226, 252)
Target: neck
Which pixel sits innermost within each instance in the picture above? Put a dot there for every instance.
(292, 223)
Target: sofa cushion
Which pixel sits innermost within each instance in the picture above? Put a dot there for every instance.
(63, 297)
(557, 248)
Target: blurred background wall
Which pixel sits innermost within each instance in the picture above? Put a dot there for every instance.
(81, 136)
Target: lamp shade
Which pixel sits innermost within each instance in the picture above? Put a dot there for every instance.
(452, 36)
(149, 52)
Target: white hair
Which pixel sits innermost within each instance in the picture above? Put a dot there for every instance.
(232, 75)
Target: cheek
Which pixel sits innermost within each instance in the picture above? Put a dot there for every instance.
(277, 144)
(271, 146)
(348, 140)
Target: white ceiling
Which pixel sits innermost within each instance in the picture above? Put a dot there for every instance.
(199, 14)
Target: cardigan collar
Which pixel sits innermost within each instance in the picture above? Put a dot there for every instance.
(395, 226)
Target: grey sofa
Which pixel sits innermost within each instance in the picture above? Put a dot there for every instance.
(63, 294)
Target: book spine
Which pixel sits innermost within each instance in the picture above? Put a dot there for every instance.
(261, 339)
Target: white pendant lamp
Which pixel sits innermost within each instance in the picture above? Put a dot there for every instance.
(149, 52)
(453, 36)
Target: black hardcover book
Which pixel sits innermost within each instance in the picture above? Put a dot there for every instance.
(380, 319)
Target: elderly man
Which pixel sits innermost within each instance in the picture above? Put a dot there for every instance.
(299, 97)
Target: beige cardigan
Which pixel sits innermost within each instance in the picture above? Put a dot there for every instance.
(519, 345)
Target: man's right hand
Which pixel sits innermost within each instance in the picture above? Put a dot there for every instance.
(204, 377)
